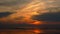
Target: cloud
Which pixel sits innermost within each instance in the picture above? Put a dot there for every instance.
(49, 17)
(8, 4)
(12, 5)
(12, 2)
(5, 14)
(16, 4)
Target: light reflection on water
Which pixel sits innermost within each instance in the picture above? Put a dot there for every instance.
(27, 31)
(20, 31)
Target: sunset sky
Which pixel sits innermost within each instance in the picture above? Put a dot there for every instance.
(23, 10)
(29, 16)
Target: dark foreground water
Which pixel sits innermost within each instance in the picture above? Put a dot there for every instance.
(29, 31)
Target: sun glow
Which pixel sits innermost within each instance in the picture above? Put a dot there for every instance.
(37, 22)
(28, 11)
(37, 31)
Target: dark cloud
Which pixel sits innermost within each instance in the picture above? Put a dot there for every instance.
(12, 2)
(8, 4)
(49, 17)
(5, 14)
(12, 5)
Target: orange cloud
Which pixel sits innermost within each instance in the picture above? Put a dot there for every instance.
(33, 8)
(29, 10)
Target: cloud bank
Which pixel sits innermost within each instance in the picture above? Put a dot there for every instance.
(5, 14)
(49, 17)
(27, 8)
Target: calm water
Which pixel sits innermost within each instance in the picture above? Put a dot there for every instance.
(29, 31)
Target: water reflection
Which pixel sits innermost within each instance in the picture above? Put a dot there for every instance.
(20, 31)
(28, 31)
(37, 31)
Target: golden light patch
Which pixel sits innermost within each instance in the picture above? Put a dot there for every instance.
(37, 31)
(33, 8)
(37, 22)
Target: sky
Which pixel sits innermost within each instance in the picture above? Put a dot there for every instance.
(12, 5)
(30, 14)
(23, 10)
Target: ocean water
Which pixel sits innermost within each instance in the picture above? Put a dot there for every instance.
(29, 31)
